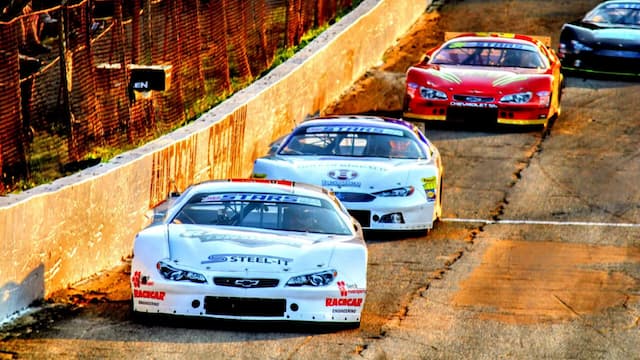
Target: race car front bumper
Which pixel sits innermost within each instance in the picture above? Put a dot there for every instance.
(513, 114)
(394, 213)
(306, 304)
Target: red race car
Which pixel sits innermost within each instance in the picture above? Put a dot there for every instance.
(486, 78)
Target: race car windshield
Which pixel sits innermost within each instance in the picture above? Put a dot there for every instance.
(369, 142)
(263, 211)
(498, 54)
(615, 14)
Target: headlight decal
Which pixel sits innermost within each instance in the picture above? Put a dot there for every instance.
(170, 272)
(322, 278)
(397, 192)
(432, 94)
(519, 98)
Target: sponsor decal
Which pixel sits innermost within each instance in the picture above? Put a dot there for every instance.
(429, 186)
(354, 129)
(245, 239)
(429, 183)
(329, 183)
(456, 45)
(342, 288)
(245, 258)
(343, 174)
(346, 289)
(342, 177)
(347, 165)
(356, 291)
(489, 44)
(150, 303)
(622, 6)
(473, 105)
(149, 294)
(347, 310)
(261, 197)
(137, 279)
(343, 302)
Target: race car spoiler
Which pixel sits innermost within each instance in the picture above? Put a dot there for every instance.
(546, 40)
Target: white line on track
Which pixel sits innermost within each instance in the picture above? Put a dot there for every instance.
(540, 222)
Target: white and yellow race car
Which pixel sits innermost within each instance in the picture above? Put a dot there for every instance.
(385, 171)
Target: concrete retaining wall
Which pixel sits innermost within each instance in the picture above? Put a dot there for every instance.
(57, 234)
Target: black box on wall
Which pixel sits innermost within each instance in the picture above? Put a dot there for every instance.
(149, 77)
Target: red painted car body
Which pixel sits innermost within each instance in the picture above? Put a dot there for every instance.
(490, 78)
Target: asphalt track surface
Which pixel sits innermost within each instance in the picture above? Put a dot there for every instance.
(537, 254)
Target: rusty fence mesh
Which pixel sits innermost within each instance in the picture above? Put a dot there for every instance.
(83, 77)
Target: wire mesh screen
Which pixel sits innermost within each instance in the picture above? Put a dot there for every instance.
(81, 78)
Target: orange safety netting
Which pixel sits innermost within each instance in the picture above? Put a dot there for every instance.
(66, 72)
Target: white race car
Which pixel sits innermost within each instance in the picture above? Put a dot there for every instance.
(385, 171)
(251, 249)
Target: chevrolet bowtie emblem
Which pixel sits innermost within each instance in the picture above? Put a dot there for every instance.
(247, 283)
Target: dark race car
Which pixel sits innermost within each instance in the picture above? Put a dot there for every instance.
(605, 41)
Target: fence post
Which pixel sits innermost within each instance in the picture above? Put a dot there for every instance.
(65, 73)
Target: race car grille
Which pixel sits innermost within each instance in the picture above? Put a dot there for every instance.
(473, 99)
(216, 305)
(472, 115)
(354, 197)
(363, 217)
(245, 282)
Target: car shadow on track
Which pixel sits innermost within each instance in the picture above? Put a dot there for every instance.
(279, 327)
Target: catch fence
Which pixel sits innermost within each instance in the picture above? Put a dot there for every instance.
(86, 78)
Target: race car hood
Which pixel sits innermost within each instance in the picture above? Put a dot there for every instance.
(341, 174)
(246, 250)
(616, 35)
(478, 79)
